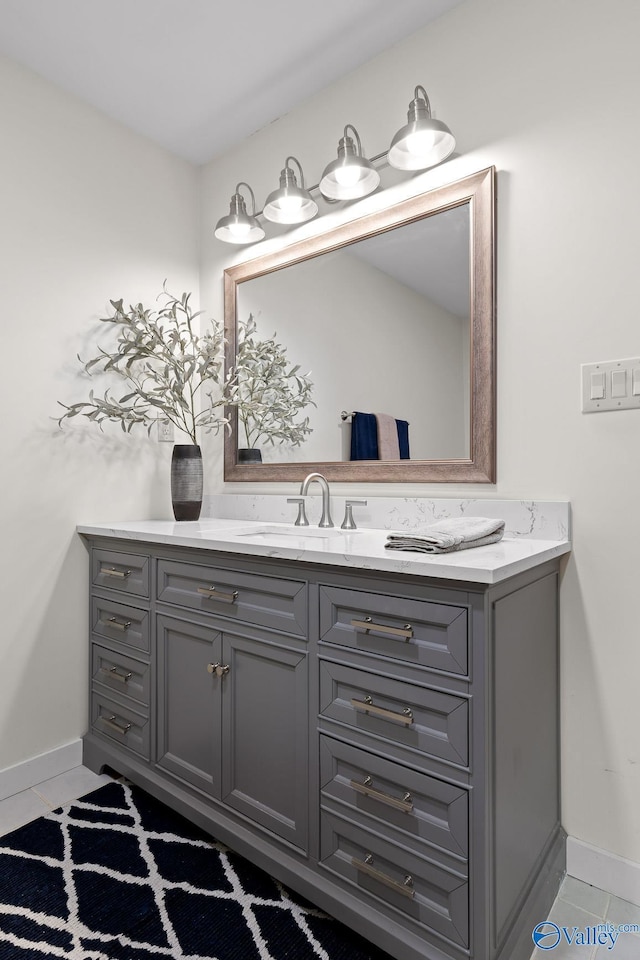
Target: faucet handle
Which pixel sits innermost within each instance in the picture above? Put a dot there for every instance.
(301, 519)
(348, 523)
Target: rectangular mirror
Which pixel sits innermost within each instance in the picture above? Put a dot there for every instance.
(389, 314)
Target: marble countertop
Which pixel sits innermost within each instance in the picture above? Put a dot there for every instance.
(358, 550)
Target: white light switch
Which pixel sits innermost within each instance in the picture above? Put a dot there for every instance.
(611, 385)
(618, 383)
(597, 386)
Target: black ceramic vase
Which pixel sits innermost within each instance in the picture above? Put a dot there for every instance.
(249, 455)
(186, 481)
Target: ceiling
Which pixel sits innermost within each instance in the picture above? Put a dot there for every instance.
(198, 76)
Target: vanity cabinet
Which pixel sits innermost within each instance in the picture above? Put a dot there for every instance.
(385, 745)
(233, 722)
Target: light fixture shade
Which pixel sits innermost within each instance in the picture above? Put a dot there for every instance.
(350, 176)
(290, 203)
(423, 141)
(239, 226)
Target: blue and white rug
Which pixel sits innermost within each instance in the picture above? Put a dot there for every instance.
(119, 876)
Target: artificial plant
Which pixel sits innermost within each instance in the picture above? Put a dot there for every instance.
(168, 370)
(269, 392)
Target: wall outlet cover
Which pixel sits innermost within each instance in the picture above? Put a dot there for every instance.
(165, 431)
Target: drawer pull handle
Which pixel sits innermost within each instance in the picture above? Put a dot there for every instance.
(212, 593)
(367, 705)
(112, 722)
(365, 866)
(112, 572)
(119, 624)
(220, 669)
(367, 624)
(405, 804)
(113, 673)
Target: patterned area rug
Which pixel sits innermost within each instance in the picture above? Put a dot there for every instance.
(119, 876)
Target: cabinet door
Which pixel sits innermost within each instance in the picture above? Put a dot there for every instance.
(189, 703)
(265, 743)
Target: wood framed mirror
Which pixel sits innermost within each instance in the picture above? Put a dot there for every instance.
(391, 313)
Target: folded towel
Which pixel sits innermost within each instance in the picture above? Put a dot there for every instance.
(388, 443)
(447, 536)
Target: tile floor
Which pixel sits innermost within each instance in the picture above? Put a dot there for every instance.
(577, 905)
(22, 807)
(580, 905)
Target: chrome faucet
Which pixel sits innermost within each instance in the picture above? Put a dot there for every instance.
(325, 519)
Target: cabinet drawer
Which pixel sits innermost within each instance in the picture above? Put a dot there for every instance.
(396, 797)
(121, 723)
(396, 878)
(424, 720)
(121, 622)
(272, 602)
(128, 677)
(126, 572)
(423, 632)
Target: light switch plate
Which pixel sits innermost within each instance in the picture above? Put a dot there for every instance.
(620, 379)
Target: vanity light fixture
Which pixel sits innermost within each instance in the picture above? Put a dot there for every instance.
(290, 203)
(239, 226)
(423, 141)
(350, 176)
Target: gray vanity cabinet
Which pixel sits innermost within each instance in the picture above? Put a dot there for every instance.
(265, 732)
(233, 722)
(189, 703)
(385, 745)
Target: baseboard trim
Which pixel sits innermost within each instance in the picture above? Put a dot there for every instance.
(605, 870)
(27, 774)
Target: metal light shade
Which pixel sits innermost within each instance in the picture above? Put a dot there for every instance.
(290, 203)
(423, 142)
(239, 226)
(351, 175)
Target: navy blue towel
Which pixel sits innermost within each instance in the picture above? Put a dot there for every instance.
(364, 437)
(403, 438)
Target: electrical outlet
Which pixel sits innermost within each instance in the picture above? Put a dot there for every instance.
(165, 431)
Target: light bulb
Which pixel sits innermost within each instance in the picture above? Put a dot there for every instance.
(239, 229)
(290, 203)
(420, 142)
(348, 176)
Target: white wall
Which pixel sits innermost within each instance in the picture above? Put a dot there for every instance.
(548, 92)
(88, 212)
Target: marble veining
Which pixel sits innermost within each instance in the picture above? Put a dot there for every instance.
(534, 519)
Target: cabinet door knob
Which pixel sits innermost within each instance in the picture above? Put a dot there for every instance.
(220, 669)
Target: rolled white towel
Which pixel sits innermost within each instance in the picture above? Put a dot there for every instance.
(447, 536)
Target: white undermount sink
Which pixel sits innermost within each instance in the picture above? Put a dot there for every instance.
(277, 530)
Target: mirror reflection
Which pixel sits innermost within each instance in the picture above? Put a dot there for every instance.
(381, 326)
(391, 318)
